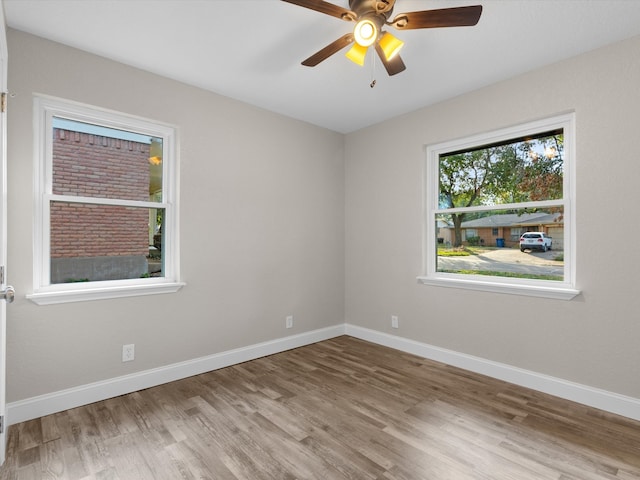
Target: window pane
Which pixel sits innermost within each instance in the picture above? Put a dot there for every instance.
(515, 171)
(94, 161)
(104, 242)
(467, 244)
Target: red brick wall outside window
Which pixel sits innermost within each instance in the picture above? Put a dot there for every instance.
(90, 165)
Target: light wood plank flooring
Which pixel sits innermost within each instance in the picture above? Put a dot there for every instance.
(339, 409)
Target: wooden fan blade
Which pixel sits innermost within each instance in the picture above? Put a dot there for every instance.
(393, 66)
(329, 50)
(325, 7)
(444, 17)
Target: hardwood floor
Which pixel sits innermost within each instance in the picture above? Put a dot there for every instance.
(338, 409)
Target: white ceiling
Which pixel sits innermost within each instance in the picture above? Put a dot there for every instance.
(251, 50)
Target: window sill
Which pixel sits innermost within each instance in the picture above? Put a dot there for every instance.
(51, 297)
(529, 290)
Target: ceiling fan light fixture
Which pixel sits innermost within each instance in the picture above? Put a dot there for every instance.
(390, 45)
(357, 54)
(365, 32)
(370, 17)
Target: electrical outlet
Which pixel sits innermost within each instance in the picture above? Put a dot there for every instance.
(128, 352)
(289, 321)
(394, 321)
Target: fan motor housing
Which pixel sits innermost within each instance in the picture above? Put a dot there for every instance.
(370, 8)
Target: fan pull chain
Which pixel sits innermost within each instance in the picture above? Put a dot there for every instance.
(373, 71)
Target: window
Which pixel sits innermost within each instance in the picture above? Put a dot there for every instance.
(106, 212)
(508, 182)
(516, 233)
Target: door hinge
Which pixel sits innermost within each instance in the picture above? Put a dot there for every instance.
(1, 274)
(2, 424)
(3, 102)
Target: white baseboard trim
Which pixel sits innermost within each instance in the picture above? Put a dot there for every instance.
(593, 397)
(47, 404)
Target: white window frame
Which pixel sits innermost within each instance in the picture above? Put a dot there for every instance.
(564, 290)
(44, 292)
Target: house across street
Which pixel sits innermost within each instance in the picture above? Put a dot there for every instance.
(504, 230)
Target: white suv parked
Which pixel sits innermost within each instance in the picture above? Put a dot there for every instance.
(535, 241)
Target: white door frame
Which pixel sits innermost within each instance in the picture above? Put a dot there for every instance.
(3, 229)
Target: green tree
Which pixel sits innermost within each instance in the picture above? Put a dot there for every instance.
(520, 171)
(543, 172)
(468, 179)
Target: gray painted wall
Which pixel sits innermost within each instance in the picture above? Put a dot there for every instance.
(593, 339)
(280, 217)
(262, 223)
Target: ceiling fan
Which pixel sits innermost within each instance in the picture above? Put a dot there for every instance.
(371, 16)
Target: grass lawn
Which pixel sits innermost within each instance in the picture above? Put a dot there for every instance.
(462, 251)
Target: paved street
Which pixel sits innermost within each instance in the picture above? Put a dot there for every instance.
(507, 260)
